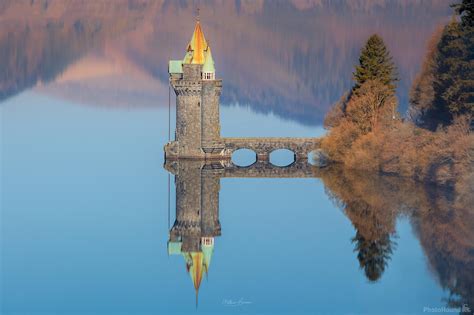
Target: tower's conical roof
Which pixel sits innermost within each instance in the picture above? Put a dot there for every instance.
(208, 62)
(196, 269)
(194, 265)
(195, 52)
(207, 252)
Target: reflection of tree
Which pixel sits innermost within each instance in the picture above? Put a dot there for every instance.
(372, 217)
(373, 240)
(446, 231)
(443, 219)
(373, 254)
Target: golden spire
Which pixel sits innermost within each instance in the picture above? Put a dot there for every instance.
(195, 52)
(197, 263)
(194, 265)
(197, 293)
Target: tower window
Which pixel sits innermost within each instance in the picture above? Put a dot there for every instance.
(208, 76)
(207, 241)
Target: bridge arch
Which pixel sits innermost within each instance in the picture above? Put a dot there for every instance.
(282, 157)
(243, 157)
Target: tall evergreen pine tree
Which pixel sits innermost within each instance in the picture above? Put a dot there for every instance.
(447, 84)
(454, 79)
(375, 63)
(466, 10)
(452, 71)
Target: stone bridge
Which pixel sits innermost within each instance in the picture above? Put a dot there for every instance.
(263, 147)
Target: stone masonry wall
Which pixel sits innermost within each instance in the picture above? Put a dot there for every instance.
(192, 72)
(188, 111)
(188, 206)
(211, 132)
(210, 186)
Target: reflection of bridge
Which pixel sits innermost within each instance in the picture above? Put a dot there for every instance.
(259, 169)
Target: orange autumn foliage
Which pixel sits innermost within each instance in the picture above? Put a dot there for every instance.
(368, 138)
(444, 157)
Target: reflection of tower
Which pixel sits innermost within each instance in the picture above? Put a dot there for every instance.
(197, 206)
(197, 218)
(197, 102)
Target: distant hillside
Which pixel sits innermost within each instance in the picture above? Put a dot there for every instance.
(291, 58)
(40, 39)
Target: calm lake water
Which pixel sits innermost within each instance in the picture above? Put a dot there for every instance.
(87, 205)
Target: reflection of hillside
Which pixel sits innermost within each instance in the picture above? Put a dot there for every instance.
(107, 80)
(291, 59)
(23, 64)
(295, 62)
(443, 221)
(38, 42)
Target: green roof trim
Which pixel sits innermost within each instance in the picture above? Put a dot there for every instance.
(175, 66)
(208, 62)
(174, 248)
(207, 251)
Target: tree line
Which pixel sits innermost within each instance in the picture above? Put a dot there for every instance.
(434, 142)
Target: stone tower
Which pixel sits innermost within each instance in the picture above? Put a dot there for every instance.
(197, 102)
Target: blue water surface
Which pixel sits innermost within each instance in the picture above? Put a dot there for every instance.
(85, 219)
